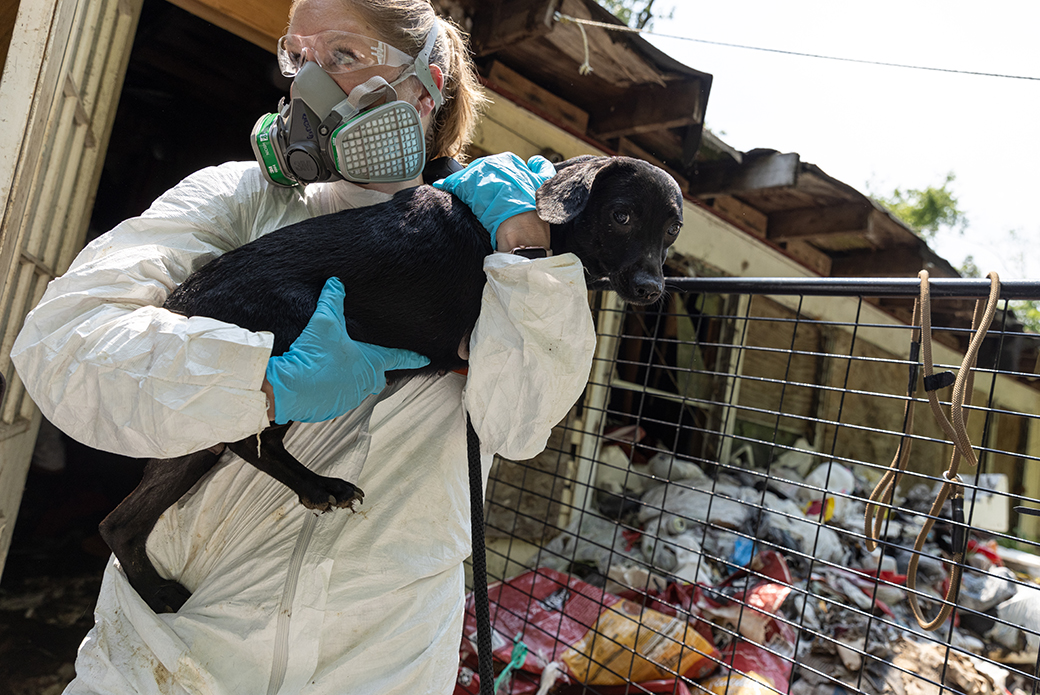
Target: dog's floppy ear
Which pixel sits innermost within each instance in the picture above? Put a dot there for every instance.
(563, 197)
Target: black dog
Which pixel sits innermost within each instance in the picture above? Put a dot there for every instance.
(412, 268)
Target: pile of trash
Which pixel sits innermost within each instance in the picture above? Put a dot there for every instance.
(746, 584)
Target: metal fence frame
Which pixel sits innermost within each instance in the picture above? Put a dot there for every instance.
(537, 504)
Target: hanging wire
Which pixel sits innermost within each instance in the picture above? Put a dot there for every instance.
(559, 17)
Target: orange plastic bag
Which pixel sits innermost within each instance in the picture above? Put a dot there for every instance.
(601, 638)
(630, 644)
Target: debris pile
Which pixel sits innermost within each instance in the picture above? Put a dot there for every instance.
(769, 569)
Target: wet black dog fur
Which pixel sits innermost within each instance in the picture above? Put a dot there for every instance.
(413, 272)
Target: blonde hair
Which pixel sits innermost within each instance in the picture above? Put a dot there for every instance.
(406, 24)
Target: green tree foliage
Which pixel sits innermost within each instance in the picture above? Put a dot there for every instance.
(1025, 310)
(634, 13)
(927, 210)
(969, 268)
(1028, 312)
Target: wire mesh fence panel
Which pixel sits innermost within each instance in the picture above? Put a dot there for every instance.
(700, 521)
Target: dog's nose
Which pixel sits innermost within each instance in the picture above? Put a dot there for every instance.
(648, 290)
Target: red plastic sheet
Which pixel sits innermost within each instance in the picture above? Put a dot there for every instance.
(602, 639)
(747, 669)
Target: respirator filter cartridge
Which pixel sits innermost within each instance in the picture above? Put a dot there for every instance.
(383, 144)
(267, 150)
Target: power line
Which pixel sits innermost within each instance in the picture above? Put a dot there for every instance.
(615, 27)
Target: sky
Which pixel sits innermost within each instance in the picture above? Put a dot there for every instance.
(878, 128)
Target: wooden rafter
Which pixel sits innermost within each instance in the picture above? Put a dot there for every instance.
(511, 21)
(899, 261)
(726, 177)
(261, 22)
(649, 108)
(806, 223)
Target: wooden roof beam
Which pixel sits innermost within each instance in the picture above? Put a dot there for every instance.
(806, 223)
(261, 22)
(648, 108)
(501, 24)
(726, 177)
(903, 261)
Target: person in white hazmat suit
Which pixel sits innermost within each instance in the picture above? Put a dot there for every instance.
(284, 600)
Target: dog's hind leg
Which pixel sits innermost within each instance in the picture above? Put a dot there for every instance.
(126, 529)
(315, 491)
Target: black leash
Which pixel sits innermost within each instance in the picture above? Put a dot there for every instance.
(480, 594)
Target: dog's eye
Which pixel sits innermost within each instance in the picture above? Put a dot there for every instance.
(674, 229)
(621, 217)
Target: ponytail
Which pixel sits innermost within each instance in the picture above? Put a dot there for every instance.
(464, 101)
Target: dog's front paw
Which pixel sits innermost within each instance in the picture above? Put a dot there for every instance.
(167, 597)
(330, 493)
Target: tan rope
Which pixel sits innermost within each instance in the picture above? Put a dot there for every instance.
(956, 431)
(885, 488)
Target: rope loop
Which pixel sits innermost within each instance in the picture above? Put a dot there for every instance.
(955, 428)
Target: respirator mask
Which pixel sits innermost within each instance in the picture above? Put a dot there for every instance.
(324, 134)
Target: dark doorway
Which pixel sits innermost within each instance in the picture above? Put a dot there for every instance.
(191, 96)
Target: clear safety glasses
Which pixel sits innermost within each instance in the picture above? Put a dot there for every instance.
(337, 52)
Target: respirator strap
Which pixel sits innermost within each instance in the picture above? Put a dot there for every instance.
(422, 67)
(363, 97)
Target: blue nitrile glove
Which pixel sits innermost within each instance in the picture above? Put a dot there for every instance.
(326, 373)
(498, 187)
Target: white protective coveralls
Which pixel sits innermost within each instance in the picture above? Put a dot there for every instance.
(284, 600)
